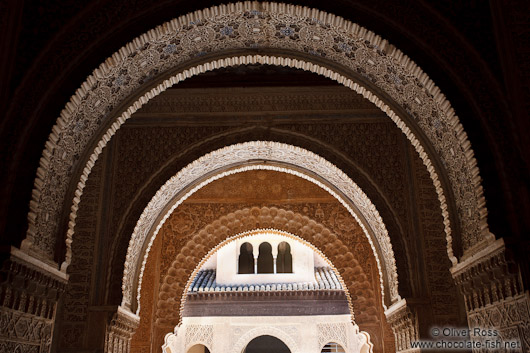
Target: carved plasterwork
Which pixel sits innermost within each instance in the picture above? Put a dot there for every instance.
(510, 318)
(29, 292)
(442, 289)
(332, 332)
(202, 334)
(404, 323)
(165, 201)
(183, 252)
(120, 331)
(318, 236)
(246, 26)
(242, 101)
(495, 297)
(254, 218)
(279, 332)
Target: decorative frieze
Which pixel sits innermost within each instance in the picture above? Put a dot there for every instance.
(29, 291)
(495, 297)
(120, 331)
(258, 100)
(404, 323)
(487, 277)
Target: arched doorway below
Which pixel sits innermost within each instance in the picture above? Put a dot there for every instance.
(332, 347)
(198, 348)
(265, 344)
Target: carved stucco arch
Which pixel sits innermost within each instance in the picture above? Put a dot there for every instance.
(249, 221)
(252, 156)
(317, 36)
(404, 272)
(283, 336)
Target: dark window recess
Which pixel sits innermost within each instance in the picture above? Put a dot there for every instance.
(284, 261)
(246, 259)
(265, 264)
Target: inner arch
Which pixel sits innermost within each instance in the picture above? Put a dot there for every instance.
(251, 156)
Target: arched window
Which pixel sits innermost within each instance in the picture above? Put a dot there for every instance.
(265, 264)
(332, 347)
(246, 259)
(198, 348)
(284, 261)
(263, 344)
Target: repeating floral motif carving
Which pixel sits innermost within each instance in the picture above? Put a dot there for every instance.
(404, 323)
(274, 26)
(257, 151)
(199, 334)
(20, 332)
(144, 335)
(494, 295)
(332, 333)
(74, 320)
(442, 288)
(120, 331)
(511, 317)
(28, 300)
(286, 99)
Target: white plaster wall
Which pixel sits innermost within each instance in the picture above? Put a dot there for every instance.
(228, 255)
(302, 334)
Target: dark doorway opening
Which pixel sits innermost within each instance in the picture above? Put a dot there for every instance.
(266, 344)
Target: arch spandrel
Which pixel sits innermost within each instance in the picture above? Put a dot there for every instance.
(188, 38)
(178, 188)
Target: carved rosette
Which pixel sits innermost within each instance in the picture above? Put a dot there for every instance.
(494, 296)
(120, 331)
(404, 323)
(29, 291)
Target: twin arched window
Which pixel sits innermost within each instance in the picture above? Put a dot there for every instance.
(265, 263)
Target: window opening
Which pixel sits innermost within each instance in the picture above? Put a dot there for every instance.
(265, 263)
(246, 259)
(332, 347)
(284, 261)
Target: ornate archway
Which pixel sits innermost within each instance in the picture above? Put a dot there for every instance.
(319, 39)
(238, 158)
(435, 132)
